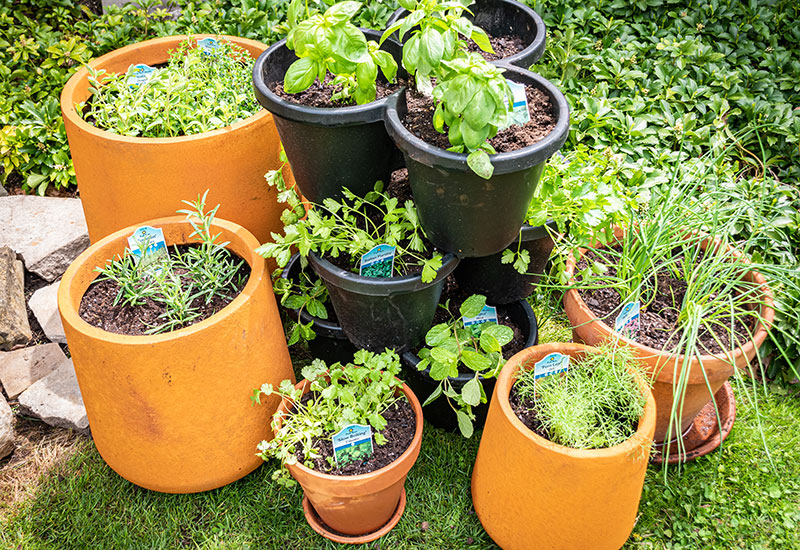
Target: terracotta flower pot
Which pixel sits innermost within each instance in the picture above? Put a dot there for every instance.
(529, 492)
(665, 367)
(125, 180)
(360, 504)
(171, 412)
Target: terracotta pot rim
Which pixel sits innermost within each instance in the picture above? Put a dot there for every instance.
(707, 359)
(412, 448)
(70, 311)
(69, 112)
(506, 380)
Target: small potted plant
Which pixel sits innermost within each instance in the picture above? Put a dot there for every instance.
(192, 126)
(323, 86)
(152, 324)
(353, 486)
(392, 309)
(563, 456)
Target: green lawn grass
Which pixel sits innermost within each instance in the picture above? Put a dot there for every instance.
(730, 499)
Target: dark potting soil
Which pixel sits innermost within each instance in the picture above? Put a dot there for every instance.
(658, 326)
(399, 432)
(319, 95)
(419, 120)
(503, 46)
(97, 305)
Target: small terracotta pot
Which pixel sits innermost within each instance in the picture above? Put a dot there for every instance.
(171, 412)
(665, 367)
(529, 492)
(361, 504)
(125, 180)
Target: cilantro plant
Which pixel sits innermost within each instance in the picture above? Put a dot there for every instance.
(329, 43)
(352, 226)
(339, 395)
(199, 91)
(477, 348)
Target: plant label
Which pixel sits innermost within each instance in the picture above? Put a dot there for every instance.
(139, 74)
(520, 115)
(488, 313)
(209, 45)
(552, 363)
(352, 443)
(627, 322)
(147, 245)
(378, 262)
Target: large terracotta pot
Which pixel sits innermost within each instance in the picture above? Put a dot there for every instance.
(529, 492)
(126, 180)
(665, 367)
(172, 412)
(360, 504)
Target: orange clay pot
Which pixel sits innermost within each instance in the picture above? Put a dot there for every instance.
(361, 504)
(529, 492)
(172, 412)
(587, 328)
(126, 180)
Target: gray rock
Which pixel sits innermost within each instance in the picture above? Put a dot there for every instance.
(56, 399)
(3, 192)
(6, 428)
(14, 327)
(48, 232)
(44, 304)
(19, 369)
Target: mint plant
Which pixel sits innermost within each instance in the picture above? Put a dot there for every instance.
(329, 43)
(477, 348)
(305, 294)
(339, 395)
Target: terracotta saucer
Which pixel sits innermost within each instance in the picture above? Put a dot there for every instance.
(317, 525)
(704, 435)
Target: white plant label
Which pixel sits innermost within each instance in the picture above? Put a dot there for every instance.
(147, 245)
(209, 45)
(627, 322)
(352, 443)
(520, 115)
(378, 262)
(552, 363)
(139, 74)
(488, 313)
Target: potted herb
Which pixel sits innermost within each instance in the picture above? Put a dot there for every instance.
(456, 368)
(584, 192)
(392, 309)
(353, 489)
(212, 135)
(323, 86)
(194, 312)
(563, 457)
(516, 32)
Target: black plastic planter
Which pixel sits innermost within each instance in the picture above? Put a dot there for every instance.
(439, 413)
(331, 345)
(460, 211)
(501, 283)
(504, 18)
(377, 313)
(328, 148)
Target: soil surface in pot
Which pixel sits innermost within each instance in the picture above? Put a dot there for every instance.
(319, 95)
(399, 432)
(503, 46)
(658, 321)
(419, 120)
(97, 305)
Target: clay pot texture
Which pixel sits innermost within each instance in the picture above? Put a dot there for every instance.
(126, 180)
(529, 492)
(171, 412)
(360, 504)
(665, 367)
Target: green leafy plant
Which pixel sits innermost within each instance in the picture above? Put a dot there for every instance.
(596, 404)
(339, 395)
(200, 90)
(329, 43)
(307, 293)
(451, 347)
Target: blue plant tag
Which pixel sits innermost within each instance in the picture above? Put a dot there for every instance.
(378, 262)
(147, 245)
(139, 74)
(627, 322)
(352, 443)
(488, 313)
(520, 114)
(209, 45)
(552, 363)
